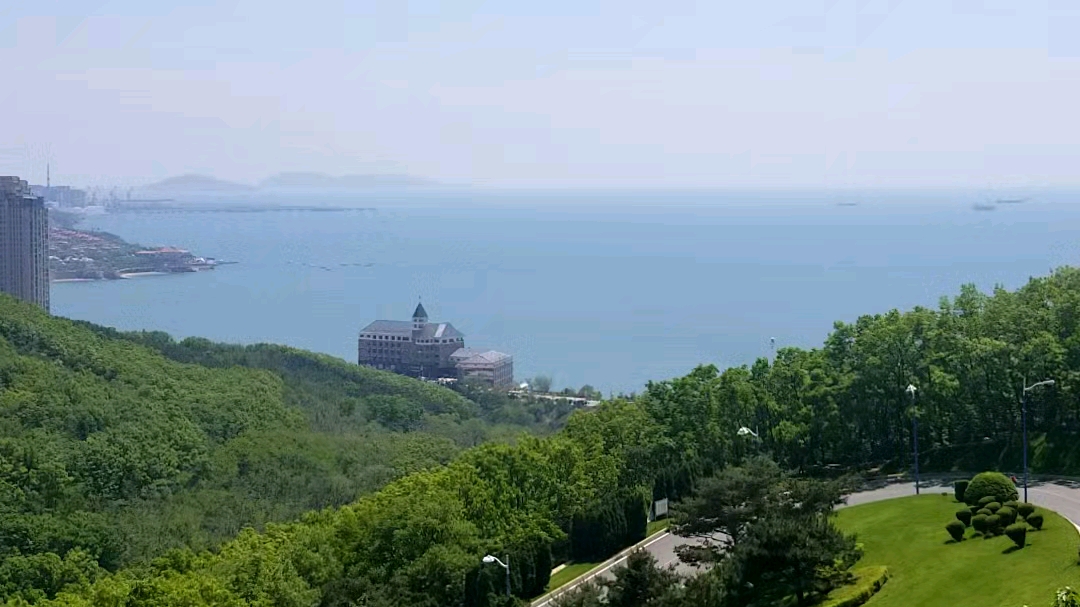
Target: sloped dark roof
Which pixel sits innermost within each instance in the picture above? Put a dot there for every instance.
(440, 330)
(396, 327)
(431, 330)
(420, 311)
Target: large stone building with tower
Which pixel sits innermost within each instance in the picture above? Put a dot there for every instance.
(24, 243)
(430, 350)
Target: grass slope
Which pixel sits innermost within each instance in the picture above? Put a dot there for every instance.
(908, 536)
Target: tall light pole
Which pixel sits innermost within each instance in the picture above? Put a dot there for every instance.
(915, 433)
(491, 559)
(1023, 414)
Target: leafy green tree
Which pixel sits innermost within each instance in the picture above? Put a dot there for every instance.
(729, 501)
(785, 557)
(540, 383)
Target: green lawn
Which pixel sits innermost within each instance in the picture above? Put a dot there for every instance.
(574, 570)
(908, 536)
(656, 526)
(569, 573)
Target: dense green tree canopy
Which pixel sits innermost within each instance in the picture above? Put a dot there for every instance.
(118, 448)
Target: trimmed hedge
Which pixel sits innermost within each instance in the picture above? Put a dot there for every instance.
(993, 524)
(984, 511)
(990, 484)
(959, 488)
(1007, 515)
(993, 506)
(868, 580)
(1035, 519)
(1012, 504)
(978, 522)
(1025, 509)
(956, 530)
(1017, 533)
(964, 516)
(986, 500)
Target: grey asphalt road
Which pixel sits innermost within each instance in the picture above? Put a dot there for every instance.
(1061, 496)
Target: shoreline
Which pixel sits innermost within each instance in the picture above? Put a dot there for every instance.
(121, 277)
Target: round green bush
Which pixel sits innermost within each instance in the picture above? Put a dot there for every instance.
(975, 509)
(956, 530)
(984, 511)
(978, 523)
(959, 488)
(993, 524)
(1025, 509)
(1035, 519)
(986, 500)
(990, 484)
(1007, 515)
(1012, 504)
(1017, 533)
(993, 506)
(964, 516)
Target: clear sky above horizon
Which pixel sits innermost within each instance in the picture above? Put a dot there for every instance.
(562, 92)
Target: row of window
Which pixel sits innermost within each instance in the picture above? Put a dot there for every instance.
(400, 338)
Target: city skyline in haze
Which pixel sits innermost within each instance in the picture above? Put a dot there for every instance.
(697, 94)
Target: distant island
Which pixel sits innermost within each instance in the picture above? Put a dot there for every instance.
(190, 184)
(322, 181)
(295, 182)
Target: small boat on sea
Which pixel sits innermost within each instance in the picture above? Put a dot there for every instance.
(983, 207)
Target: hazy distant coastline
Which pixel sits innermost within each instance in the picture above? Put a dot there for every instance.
(200, 186)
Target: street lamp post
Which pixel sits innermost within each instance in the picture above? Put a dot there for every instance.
(915, 433)
(1023, 414)
(491, 559)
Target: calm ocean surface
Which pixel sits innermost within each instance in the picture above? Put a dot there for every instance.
(606, 289)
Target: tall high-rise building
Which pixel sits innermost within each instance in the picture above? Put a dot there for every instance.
(24, 243)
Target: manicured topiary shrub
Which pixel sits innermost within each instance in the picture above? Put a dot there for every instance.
(975, 509)
(1017, 533)
(964, 516)
(993, 506)
(993, 524)
(959, 488)
(1035, 519)
(978, 523)
(1012, 504)
(990, 484)
(1025, 509)
(984, 511)
(986, 500)
(1007, 515)
(956, 530)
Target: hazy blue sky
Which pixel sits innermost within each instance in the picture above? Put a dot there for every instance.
(552, 92)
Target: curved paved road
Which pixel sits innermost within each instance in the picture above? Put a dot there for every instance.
(1061, 496)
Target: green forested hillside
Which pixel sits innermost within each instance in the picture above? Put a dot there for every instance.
(74, 408)
(116, 447)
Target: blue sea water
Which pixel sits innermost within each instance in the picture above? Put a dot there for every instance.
(609, 289)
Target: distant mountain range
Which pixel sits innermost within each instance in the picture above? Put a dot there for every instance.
(346, 182)
(194, 184)
(202, 184)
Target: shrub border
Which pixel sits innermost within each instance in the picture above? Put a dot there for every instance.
(869, 581)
